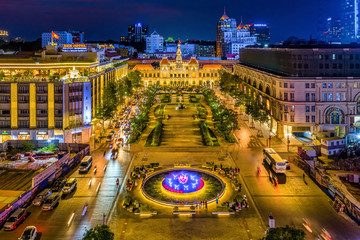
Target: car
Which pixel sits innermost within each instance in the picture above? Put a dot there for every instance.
(41, 197)
(69, 186)
(30, 233)
(85, 164)
(51, 202)
(58, 185)
(15, 219)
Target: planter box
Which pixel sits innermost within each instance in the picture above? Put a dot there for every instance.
(146, 213)
(184, 213)
(223, 213)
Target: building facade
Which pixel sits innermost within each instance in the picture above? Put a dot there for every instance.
(4, 35)
(262, 33)
(205, 50)
(54, 95)
(154, 43)
(334, 29)
(64, 38)
(77, 37)
(179, 73)
(309, 90)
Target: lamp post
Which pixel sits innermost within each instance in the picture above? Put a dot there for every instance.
(270, 135)
(288, 141)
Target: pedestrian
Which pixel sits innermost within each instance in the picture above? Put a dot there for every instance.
(206, 205)
(196, 206)
(303, 175)
(200, 205)
(217, 201)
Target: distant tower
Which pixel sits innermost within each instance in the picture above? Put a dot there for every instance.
(178, 57)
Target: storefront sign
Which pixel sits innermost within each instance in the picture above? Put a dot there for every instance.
(4, 132)
(24, 133)
(42, 133)
(74, 48)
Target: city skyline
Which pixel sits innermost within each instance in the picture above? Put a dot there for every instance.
(196, 19)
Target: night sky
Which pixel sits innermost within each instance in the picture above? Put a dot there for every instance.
(185, 19)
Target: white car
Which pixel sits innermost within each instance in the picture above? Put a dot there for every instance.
(30, 233)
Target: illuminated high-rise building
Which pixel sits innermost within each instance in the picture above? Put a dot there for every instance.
(351, 21)
(230, 37)
(261, 32)
(4, 35)
(333, 33)
(137, 32)
(154, 43)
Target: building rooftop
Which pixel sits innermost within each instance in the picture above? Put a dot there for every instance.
(215, 66)
(144, 67)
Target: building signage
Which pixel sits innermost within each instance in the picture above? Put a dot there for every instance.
(24, 133)
(4, 132)
(74, 48)
(42, 133)
(260, 25)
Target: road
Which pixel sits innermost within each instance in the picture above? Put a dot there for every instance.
(291, 202)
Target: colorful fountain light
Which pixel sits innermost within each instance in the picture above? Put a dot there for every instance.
(183, 182)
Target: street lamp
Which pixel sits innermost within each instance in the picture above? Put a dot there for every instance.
(288, 141)
(270, 135)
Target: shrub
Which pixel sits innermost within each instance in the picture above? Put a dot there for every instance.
(27, 146)
(192, 208)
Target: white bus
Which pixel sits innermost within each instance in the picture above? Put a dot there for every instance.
(274, 160)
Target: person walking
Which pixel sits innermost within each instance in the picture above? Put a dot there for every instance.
(206, 205)
(217, 201)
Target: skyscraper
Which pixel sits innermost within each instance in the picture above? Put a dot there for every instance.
(64, 38)
(333, 33)
(261, 32)
(225, 23)
(351, 21)
(137, 32)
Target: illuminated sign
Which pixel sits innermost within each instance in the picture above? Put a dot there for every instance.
(260, 25)
(24, 133)
(42, 133)
(4, 133)
(74, 48)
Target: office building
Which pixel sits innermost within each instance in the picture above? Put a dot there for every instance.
(154, 43)
(137, 32)
(4, 36)
(77, 37)
(262, 33)
(351, 21)
(312, 89)
(205, 50)
(55, 94)
(64, 38)
(333, 33)
(230, 38)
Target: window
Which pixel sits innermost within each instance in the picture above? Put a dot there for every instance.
(324, 85)
(312, 108)
(312, 118)
(299, 65)
(355, 85)
(286, 109)
(291, 85)
(23, 89)
(307, 97)
(313, 97)
(326, 66)
(351, 66)
(307, 85)
(324, 97)
(338, 85)
(24, 124)
(285, 85)
(24, 111)
(306, 66)
(307, 108)
(292, 118)
(338, 96)
(333, 57)
(42, 124)
(292, 97)
(321, 66)
(330, 85)
(307, 118)
(343, 96)
(330, 97)
(285, 96)
(312, 85)
(292, 108)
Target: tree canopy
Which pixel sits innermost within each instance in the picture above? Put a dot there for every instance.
(285, 233)
(100, 232)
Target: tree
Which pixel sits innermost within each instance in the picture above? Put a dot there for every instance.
(27, 146)
(101, 232)
(135, 79)
(285, 233)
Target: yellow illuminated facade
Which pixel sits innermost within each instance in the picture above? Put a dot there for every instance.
(179, 73)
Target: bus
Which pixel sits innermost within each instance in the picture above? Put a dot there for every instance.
(276, 163)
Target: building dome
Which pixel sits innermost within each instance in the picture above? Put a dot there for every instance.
(242, 26)
(224, 16)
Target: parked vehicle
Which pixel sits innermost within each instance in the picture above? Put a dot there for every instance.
(287, 164)
(41, 197)
(15, 219)
(85, 164)
(51, 202)
(30, 233)
(70, 186)
(58, 185)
